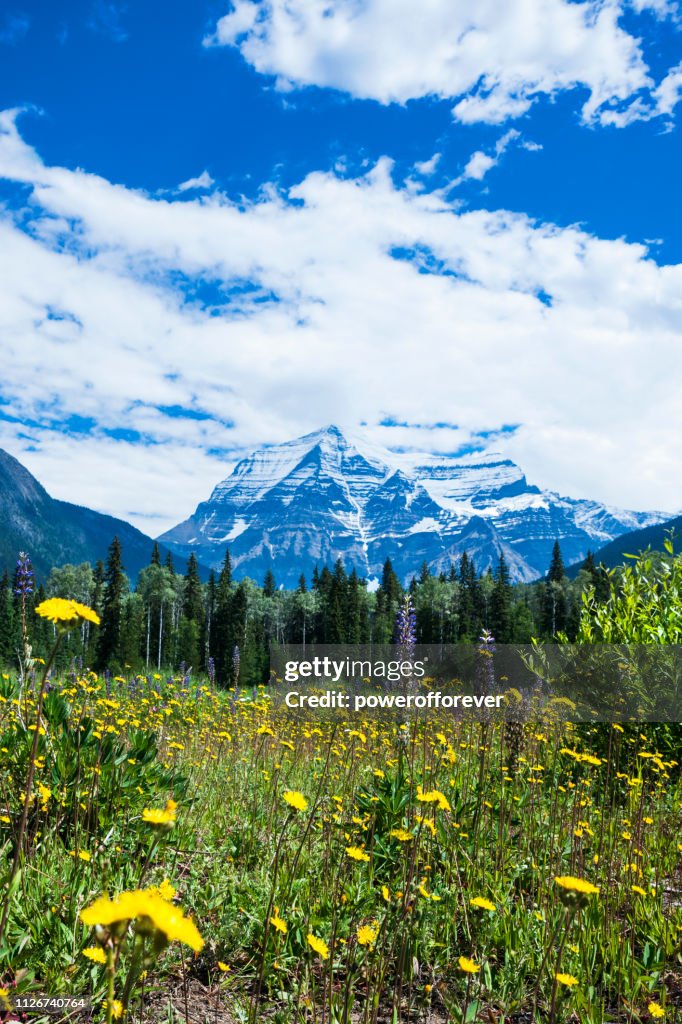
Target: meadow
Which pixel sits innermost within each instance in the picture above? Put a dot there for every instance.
(170, 851)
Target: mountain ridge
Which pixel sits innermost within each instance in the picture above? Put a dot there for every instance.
(325, 495)
(55, 532)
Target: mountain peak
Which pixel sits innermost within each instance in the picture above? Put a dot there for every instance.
(326, 495)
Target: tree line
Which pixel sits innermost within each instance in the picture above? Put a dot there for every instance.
(171, 620)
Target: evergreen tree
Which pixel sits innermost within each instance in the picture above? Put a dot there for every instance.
(115, 586)
(556, 572)
(208, 635)
(132, 629)
(336, 617)
(500, 604)
(390, 584)
(10, 639)
(356, 629)
(469, 601)
(193, 601)
(598, 577)
(224, 637)
(269, 586)
(156, 555)
(554, 600)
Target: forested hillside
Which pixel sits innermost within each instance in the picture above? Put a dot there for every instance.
(171, 620)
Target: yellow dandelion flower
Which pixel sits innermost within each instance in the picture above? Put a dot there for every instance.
(434, 796)
(386, 893)
(295, 800)
(150, 910)
(357, 853)
(96, 954)
(223, 967)
(402, 834)
(116, 1007)
(638, 889)
(318, 945)
(656, 1010)
(66, 614)
(579, 885)
(468, 966)
(566, 979)
(367, 935)
(158, 816)
(483, 903)
(278, 923)
(165, 890)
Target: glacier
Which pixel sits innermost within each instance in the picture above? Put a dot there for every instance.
(307, 502)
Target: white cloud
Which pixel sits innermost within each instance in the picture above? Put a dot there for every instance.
(385, 302)
(428, 167)
(202, 181)
(660, 103)
(479, 163)
(494, 59)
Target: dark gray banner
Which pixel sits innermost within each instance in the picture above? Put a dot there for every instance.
(488, 682)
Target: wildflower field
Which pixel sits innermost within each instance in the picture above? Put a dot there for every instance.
(174, 852)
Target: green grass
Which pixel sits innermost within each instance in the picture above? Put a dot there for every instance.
(237, 851)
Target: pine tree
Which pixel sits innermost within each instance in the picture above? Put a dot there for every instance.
(556, 572)
(554, 599)
(269, 585)
(208, 636)
(335, 620)
(500, 604)
(156, 555)
(390, 584)
(9, 632)
(224, 638)
(193, 617)
(355, 625)
(132, 630)
(598, 577)
(116, 584)
(193, 601)
(467, 609)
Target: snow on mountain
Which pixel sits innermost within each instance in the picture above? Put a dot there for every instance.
(324, 496)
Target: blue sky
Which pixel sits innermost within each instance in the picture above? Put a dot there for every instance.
(225, 224)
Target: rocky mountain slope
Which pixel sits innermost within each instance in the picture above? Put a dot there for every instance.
(323, 496)
(55, 532)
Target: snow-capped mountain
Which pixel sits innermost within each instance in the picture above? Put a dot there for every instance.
(310, 501)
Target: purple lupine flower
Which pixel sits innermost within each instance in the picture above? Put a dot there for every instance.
(236, 662)
(406, 627)
(486, 662)
(23, 577)
(210, 668)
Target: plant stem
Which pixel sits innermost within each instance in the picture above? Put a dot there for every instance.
(30, 775)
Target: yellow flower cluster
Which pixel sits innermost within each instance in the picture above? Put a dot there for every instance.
(66, 613)
(152, 913)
